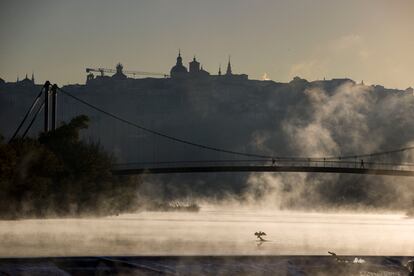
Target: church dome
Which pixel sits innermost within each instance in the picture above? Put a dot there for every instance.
(119, 72)
(178, 69)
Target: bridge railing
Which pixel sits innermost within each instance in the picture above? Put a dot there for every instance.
(266, 162)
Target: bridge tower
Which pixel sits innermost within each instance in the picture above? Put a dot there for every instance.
(50, 112)
(46, 112)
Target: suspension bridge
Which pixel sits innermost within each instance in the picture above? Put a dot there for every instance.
(366, 163)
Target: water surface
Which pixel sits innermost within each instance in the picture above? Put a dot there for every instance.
(212, 231)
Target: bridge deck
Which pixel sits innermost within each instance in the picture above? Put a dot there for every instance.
(216, 169)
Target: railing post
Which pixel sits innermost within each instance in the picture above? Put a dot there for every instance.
(46, 122)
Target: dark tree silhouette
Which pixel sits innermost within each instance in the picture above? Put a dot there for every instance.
(59, 174)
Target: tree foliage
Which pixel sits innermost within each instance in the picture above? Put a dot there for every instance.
(58, 174)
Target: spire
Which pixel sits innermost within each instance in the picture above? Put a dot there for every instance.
(219, 72)
(179, 59)
(26, 77)
(228, 72)
(33, 80)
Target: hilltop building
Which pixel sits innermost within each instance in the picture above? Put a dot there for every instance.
(196, 70)
(178, 70)
(25, 82)
(119, 74)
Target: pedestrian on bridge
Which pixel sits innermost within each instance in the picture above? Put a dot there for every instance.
(362, 164)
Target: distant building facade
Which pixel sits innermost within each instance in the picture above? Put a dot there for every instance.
(24, 83)
(177, 72)
(196, 70)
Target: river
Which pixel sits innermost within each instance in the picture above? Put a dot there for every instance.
(211, 231)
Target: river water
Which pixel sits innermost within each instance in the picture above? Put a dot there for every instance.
(212, 231)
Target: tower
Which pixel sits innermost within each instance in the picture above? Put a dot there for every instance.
(219, 72)
(179, 58)
(33, 79)
(119, 72)
(228, 71)
(119, 68)
(194, 66)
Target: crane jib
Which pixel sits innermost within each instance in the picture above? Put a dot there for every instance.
(102, 71)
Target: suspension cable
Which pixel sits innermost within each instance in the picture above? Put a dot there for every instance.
(33, 119)
(165, 135)
(29, 111)
(245, 154)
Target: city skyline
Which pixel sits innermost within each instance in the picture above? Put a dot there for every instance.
(367, 41)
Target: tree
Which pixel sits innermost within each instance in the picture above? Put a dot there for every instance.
(59, 174)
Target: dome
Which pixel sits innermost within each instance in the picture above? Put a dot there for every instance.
(178, 69)
(119, 73)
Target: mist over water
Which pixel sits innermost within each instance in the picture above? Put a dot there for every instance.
(302, 119)
(212, 231)
(302, 214)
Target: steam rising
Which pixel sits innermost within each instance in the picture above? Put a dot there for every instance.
(331, 118)
(300, 118)
(351, 119)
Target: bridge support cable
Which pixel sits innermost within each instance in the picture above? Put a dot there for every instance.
(33, 119)
(220, 150)
(35, 101)
(369, 155)
(157, 133)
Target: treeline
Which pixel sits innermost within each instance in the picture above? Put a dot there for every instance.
(57, 174)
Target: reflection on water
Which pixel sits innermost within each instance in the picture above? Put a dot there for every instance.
(210, 232)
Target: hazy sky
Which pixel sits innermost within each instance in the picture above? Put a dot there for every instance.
(370, 40)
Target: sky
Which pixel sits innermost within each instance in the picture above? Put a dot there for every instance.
(369, 40)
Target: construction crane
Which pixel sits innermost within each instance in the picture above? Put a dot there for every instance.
(102, 71)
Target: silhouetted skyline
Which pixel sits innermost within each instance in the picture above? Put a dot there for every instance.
(57, 40)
